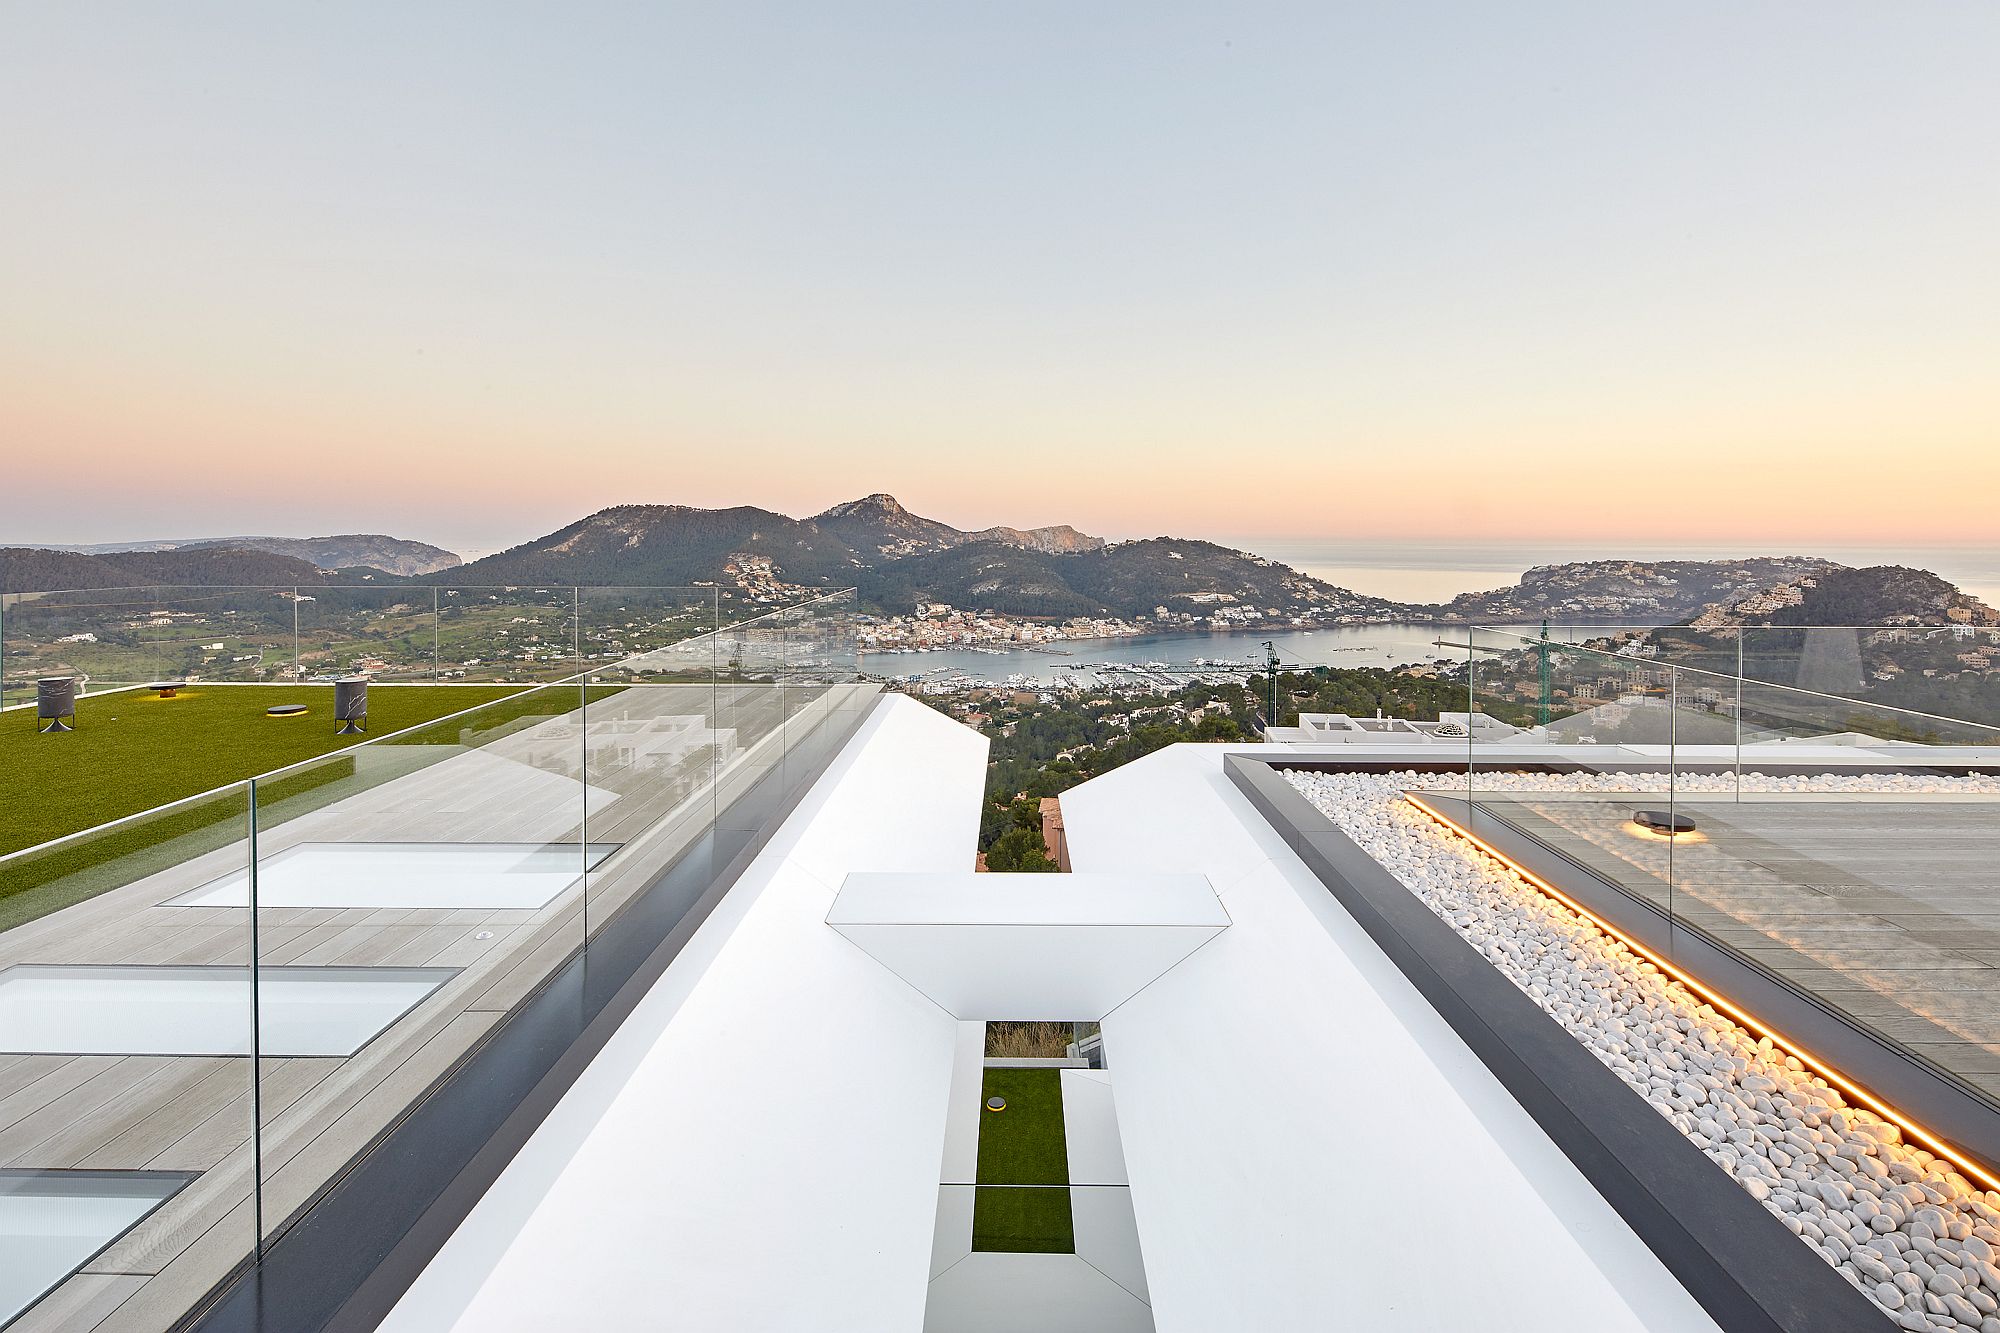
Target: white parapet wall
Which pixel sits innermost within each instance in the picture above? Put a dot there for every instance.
(1309, 1144)
(757, 1147)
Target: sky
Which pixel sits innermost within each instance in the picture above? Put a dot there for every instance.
(1703, 272)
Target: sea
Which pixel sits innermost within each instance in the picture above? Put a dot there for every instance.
(1221, 650)
(1439, 571)
(1430, 572)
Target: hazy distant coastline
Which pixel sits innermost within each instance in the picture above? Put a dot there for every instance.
(1437, 571)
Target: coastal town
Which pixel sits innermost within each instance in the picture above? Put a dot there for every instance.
(939, 625)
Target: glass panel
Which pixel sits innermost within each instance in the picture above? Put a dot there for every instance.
(387, 633)
(750, 693)
(1575, 747)
(652, 748)
(409, 892)
(125, 1029)
(821, 668)
(1843, 846)
(1949, 670)
(387, 901)
(219, 635)
(101, 636)
(507, 633)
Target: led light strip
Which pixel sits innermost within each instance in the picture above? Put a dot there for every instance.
(1956, 1158)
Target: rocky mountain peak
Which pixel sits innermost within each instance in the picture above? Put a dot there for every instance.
(879, 505)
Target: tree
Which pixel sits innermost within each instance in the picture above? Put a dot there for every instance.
(1217, 727)
(1016, 850)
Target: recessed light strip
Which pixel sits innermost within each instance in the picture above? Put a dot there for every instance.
(1953, 1157)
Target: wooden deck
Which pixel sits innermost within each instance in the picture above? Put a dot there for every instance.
(662, 760)
(1886, 908)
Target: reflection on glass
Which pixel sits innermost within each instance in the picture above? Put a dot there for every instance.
(545, 771)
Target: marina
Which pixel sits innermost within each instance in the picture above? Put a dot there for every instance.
(1176, 659)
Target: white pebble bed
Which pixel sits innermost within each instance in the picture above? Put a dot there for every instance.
(1915, 1236)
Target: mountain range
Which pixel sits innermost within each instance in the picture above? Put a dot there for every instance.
(899, 561)
(372, 550)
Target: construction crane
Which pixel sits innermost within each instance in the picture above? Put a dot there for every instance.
(1271, 678)
(1542, 651)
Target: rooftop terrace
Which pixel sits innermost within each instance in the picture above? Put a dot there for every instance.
(665, 986)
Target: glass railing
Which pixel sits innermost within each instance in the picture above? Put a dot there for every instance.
(1947, 669)
(210, 1009)
(112, 639)
(1817, 838)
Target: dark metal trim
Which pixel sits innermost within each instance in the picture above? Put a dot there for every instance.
(346, 1261)
(1490, 758)
(1746, 1270)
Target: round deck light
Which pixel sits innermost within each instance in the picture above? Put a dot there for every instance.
(285, 710)
(996, 1103)
(1664, 822)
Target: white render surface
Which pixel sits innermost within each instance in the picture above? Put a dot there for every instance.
(141, 1010)
(1001, 972)
(1288, 1195)
(758, 1146)
(1028, 946)
(969, 898)
(428, 875)
(1294, 1118)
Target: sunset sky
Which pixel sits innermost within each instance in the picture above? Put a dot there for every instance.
(1692, 272)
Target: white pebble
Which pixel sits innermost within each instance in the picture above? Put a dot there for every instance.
(1910, 1232)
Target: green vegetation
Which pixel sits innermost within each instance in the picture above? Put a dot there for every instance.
(49, 881)
(132, 751)
(1361, 692)
(1023, 1145)
(1022, 1221)
(1046, 747)
(1019, 848)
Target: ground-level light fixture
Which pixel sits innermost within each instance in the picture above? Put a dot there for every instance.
(996, 1103)
(285, 710)
(1666, 822)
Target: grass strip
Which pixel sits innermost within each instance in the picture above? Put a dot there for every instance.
(1024, 1144)
(1022, 1221)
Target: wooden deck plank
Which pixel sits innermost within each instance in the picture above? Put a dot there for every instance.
(54, 1133)
(83, 1302)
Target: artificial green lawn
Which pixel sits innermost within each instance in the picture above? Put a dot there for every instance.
(1022, 1221)
(1023, 1145)
(132, 751)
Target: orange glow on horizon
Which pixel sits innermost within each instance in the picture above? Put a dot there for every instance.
(483, 467)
